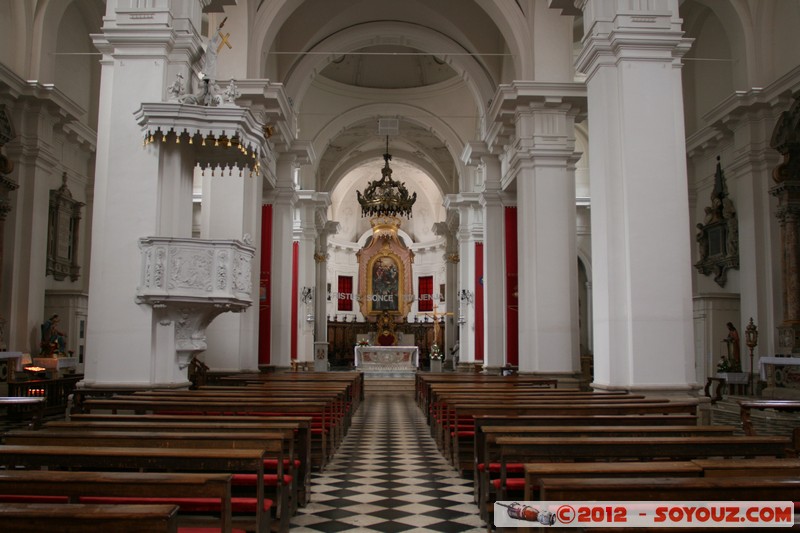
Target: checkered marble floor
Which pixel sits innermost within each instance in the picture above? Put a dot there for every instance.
(388, 476)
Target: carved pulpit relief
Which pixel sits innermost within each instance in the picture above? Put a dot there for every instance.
(718, 235)
(62, 233)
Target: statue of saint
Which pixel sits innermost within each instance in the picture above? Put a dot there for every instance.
(53, 340)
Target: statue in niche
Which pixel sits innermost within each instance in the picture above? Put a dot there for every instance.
(702, 242)
(718, 236)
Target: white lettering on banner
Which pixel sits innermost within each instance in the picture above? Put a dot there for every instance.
(644, 514)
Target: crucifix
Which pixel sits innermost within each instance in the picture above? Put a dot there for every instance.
(224, 41)
(436, 327)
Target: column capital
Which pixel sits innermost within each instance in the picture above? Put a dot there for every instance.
(282, 196)
(524, 99)
(297, 153)
(460, 200)
(494, 198)
(618, 33)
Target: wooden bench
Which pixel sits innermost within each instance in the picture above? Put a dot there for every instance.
(80, 518)
(670, 489)
(198, 460)
(444, 419)
(338, 414)
(489, 463)
(173, 488)
(272, 444)
(746, 408)
(475, 437)
(761, 467)
(535, 472)
(299, 426)
(559, 449)
(470, 411)
(205, 408)
(31, 408)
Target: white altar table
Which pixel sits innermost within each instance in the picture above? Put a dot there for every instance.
(387, 358)
(776, 361)
(782, 376)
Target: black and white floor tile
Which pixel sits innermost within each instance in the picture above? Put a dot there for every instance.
(388, 476)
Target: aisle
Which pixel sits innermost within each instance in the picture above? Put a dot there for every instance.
(389, 476)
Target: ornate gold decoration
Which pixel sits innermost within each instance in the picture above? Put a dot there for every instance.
(386, 197)
(385, 226)
(320, 257)
(452, 258)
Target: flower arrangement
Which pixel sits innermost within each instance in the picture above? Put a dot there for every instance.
(362, 342)
(436, 353)
(728, 365)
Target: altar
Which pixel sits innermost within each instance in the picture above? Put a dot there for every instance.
(782, 375)
(387, 358)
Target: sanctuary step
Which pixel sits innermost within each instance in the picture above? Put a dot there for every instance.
(727, 412)
(394, 385)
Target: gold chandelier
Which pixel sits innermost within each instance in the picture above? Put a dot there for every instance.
(386, 197)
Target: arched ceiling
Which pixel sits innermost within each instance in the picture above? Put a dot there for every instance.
(361, 141)
(388, 67)
(336, 50)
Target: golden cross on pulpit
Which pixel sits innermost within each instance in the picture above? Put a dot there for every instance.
(436, 327)
(224, 41)
(223, 38)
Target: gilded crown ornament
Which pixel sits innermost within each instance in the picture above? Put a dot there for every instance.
(386, 197)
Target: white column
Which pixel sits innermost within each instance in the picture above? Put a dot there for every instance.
(542, 161)
(643, 335)
(470, 231)
(283, 200)
(325, 228)
(749, 181)
(140, 54)
(26, 228)
(230, 209)
(494, 267)
(451, 258)
(305, 233)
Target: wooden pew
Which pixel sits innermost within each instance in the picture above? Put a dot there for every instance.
(273, 444)
(464, 411)
(353, 380)
(671, 489)
(747, 406)
(424, 382)
(31, 407)
(475, 437)
(761, 467)
(197, 460)
(205, 408)
(80, 518)
(489, 462)
(336, 413)
(299, 426)
(443, 419)
(74, 485)
(535, 472)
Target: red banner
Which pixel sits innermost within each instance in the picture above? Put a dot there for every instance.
(345, 296)
(512, 288)
(479, 301)
(295, 295)
(265, 287)
(425, 294)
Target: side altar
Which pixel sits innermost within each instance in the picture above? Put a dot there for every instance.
(387, 358)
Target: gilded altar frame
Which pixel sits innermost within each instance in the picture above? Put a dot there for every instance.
(377, 250)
